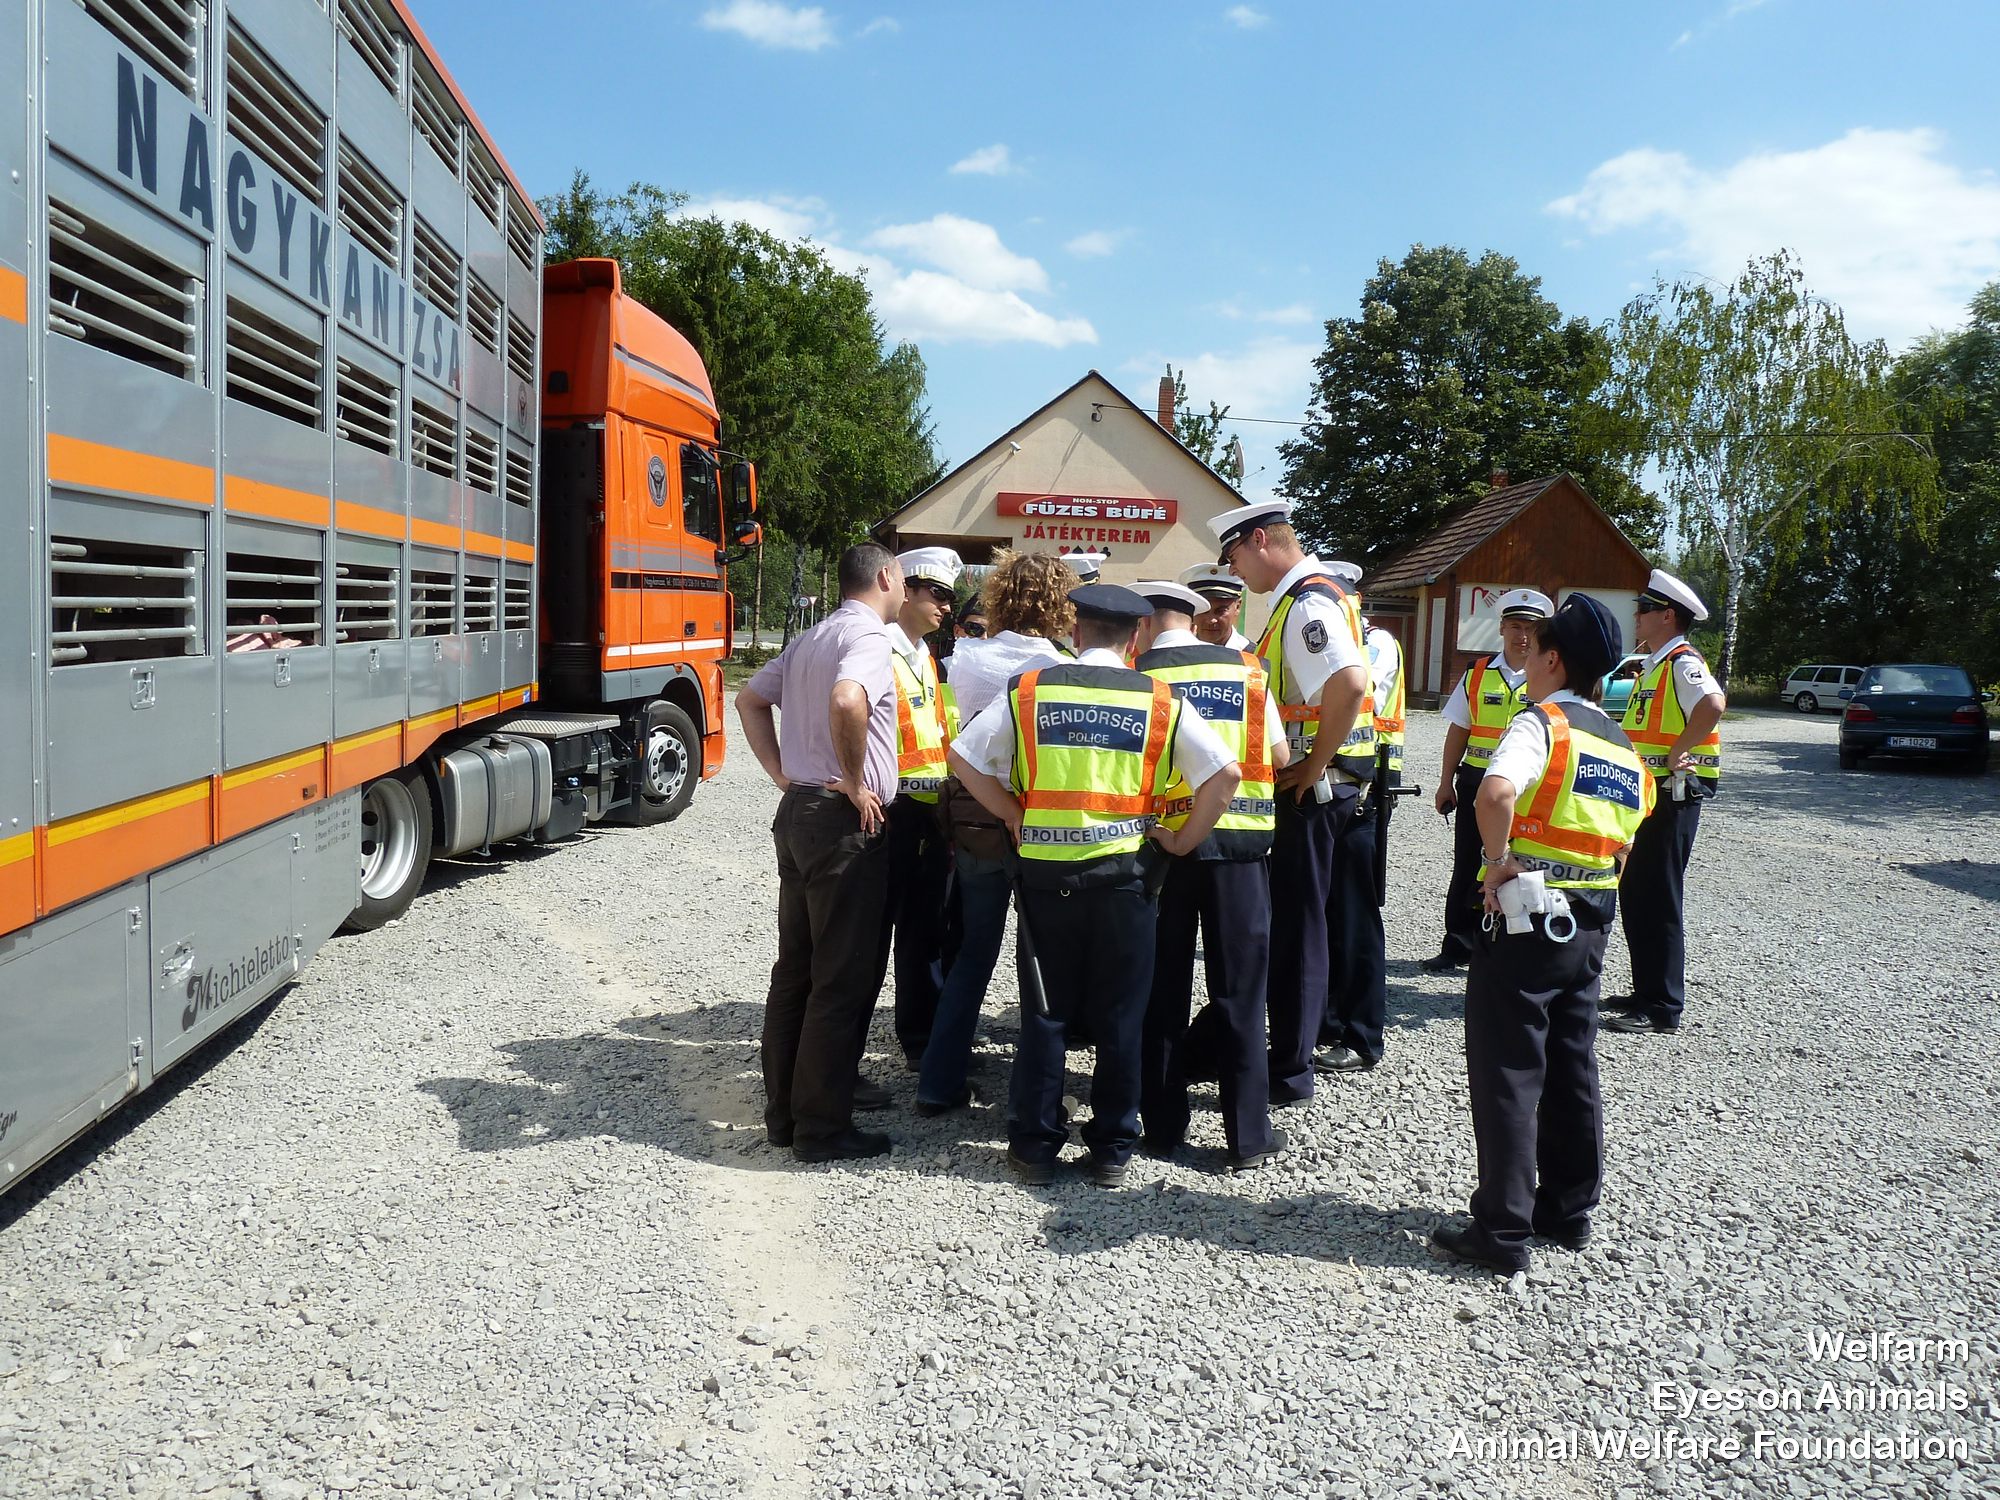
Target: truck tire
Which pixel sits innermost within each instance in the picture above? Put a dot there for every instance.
(669, 765)
(395, 847)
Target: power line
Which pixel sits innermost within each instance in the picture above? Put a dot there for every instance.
(1697, 431)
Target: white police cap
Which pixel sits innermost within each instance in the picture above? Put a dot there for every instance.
(1212, 579)
(1667, 589)
(1086, 565)
(932, 564)
(1526, 604)
(1347, 572)
(1161, 594)
(1234, 523)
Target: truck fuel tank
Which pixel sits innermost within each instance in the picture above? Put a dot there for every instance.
(498, 787)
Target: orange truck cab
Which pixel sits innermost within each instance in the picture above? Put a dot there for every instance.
(640, 508)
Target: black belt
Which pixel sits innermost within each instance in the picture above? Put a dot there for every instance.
(807, 789)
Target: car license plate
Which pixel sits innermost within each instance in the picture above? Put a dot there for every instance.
(1913, 742)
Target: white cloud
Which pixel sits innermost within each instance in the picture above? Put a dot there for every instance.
(1292, 315)
(887, 24)
(1095, 244)
(1268, 377)
(1246, 16)
(964, 248)
(803, 28)
(787, 218)
(988, 161)
(1717, 21)
(973, 295)
(1897, 236)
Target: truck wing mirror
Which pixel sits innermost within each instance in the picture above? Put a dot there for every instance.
(742, 490)
(747, 533)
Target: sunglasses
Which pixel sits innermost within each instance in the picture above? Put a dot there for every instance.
(974, 628)
(1650, 606)
(940, 593)
(1229, 552)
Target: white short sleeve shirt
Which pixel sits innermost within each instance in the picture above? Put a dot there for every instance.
(1318, 642)
(1692, 679)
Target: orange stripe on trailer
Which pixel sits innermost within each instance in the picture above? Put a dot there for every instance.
(488, 545)
(363, 757)
(351, 515)
(275, 502)
(265, 792)
(94, 851)
(420, 734)
(99, 466)
(435, 534)
(479, 708)
(17, 881)
(13, 295)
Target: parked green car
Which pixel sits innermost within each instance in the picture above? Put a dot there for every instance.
(1617, 684)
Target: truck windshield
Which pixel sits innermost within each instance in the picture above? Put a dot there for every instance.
(701, 498)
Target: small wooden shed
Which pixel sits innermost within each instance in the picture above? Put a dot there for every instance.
(1438, 593)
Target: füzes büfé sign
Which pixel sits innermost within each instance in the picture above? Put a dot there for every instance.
(1085, 518)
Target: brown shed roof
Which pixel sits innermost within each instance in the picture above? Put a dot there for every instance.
(1464, 526)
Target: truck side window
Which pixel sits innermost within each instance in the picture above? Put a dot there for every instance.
(701, 496)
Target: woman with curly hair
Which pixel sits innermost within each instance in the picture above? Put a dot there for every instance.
(1027, 613)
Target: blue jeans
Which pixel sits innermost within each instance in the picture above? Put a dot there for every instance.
(984, 887)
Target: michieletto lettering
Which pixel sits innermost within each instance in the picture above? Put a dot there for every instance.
(7, 1120)
(214, 988)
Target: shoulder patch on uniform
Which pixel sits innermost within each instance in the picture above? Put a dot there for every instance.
(1315, 636)
(1693, 668)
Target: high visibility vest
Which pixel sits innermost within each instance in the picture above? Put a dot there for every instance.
(1390, 713)
(1654, 720)
(1356, 756)
(948, 701)
(920, 729)
(1588, 804)
(1229, 690)
(1091, 763)
(1492, 703)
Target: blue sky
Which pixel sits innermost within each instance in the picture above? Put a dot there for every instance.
(1037, 189)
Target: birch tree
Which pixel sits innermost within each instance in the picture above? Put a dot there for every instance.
(1763, 417)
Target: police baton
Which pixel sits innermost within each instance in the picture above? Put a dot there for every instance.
(1380, 794)
(1032, 993)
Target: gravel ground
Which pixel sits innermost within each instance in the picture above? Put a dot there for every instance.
(483, 1207)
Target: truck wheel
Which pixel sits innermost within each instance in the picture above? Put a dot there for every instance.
(395, 847)
(669, 765)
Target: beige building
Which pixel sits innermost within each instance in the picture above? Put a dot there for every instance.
(1088, 472)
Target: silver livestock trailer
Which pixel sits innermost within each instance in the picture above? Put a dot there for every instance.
(270, 305)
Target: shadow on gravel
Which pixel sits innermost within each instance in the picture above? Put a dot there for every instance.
(1967, 877)
(684, 1083)
(448, 873)
(1884, 793)
(1416, 999)
(81, 1154)
(1319, 1225)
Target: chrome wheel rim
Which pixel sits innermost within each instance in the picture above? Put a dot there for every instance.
(1807, 703)
(666, 764)
(388, 838)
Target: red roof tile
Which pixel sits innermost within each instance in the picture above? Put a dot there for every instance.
(1463, 527)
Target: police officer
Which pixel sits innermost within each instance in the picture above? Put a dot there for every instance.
(1563, 795)
(1222, 605)
(1313, 649)
(1357, 999)
(1672, 718)
(1221, 891)
(1357, 1002)
(918, 853)
(1099, 745)
(1476, 715)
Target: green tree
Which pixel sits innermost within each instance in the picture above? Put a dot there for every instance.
(1454, 368)
(1202, 435)
(1764, 418)
(833, 416)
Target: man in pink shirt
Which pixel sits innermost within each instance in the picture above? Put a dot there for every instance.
(832, 752)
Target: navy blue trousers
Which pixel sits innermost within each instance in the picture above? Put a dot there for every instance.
(1530, 1067)
(1651, 901)
(1096, 954)
(1228, 903)
(1303, 857)
(1357, 999)
(913, 919)
(1463, 904)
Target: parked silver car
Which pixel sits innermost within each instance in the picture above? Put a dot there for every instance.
(1812, 688)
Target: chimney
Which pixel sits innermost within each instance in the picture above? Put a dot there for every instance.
(1498, 481)
(1167, 402)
